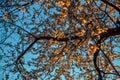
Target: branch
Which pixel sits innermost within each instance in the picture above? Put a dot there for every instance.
(22, 29)
(111, 63)
(110, 4)
(17, 5)
(46, 38)
(19, 57)
(107, 14)
(105, 35)
(95, 63)
(109, 33)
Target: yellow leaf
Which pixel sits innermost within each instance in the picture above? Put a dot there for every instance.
(89, 26)
(118, 40)
(59, 72)
(5, 18)
(37, 2)
(80, 33)
(35, 12)
(93, 48)
(48, 5)
(59, 34)
(23, 10)
(56, 52)
(6, 13)
(60, 3)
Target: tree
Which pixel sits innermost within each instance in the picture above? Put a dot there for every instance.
(60, 39)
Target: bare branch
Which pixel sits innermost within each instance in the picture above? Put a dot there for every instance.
(110, 4)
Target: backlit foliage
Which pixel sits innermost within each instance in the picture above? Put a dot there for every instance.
(56, 39)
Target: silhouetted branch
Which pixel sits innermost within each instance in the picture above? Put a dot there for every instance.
(115, 23)
(95, 63)
(46, 38)
(110, 4)
(22, 29)
(111, 63)
(109, 33)
(16, 5)
(26, 50)
(104, 36)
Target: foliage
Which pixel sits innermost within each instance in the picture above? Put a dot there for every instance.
(60, 39)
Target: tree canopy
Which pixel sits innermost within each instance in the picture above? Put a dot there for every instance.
(60, 39)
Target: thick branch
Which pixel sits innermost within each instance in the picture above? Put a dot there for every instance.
(110, 4)
(105, 35)
(95, 63)
(19, 57)
(109, 33)
(46, 38)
